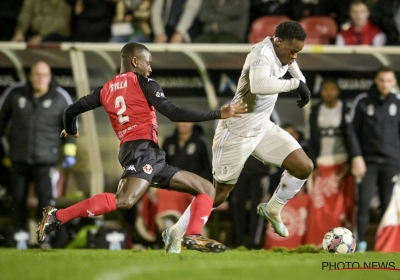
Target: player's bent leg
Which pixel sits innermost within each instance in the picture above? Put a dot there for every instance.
(200, 210)
(130, 190)
(297, 167)
(187, 182)
(298, 164)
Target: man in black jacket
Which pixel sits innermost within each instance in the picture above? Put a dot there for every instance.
(31, 116)
(375, 119)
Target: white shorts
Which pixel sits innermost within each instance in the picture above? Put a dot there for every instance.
(230, 151)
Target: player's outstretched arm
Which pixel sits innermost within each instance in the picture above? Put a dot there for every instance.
(163, 105)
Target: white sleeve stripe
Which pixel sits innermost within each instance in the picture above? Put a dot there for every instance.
(65, 94)
(8, 90)
(355, 102)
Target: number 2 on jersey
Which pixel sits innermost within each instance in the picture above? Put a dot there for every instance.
(120, 102)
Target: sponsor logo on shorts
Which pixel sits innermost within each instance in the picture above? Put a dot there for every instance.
(148, 169)
(225, 170)
(131, 168)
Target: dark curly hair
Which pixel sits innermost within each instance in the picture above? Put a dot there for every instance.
(132, 49)
(290, 30)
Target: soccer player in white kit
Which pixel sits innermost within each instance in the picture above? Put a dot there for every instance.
(255, 135)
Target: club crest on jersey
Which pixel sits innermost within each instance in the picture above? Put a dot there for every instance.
(119, 85)
(191, 149)
(21, 102)
(47, 103)
(392, 109)
(370, 110)
(148, 169)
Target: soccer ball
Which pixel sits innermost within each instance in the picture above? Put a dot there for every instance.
(339, 240)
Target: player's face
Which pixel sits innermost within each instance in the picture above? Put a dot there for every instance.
(385, 82)
(141, 64)
(330, 92)
(40, 77)
(287, 50)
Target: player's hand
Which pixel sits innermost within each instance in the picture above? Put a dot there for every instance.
(304, 94)
(358, 168)
(232, 110)
(64, 134)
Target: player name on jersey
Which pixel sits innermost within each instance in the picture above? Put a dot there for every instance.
(119, 85)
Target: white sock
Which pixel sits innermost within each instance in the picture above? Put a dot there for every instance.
(179, 228)
(288, 187)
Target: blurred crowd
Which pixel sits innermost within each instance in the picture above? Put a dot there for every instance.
(340, 22)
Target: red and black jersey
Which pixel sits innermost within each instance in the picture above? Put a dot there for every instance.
(131, 101)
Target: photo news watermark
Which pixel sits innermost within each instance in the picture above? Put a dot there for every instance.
(335, 266)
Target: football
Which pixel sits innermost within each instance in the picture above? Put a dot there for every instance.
(339, 240)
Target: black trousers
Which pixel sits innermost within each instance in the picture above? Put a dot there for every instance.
(382, 176)
(245, 219)
(21, 177)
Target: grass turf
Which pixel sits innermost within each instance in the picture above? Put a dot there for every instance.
(299, 264)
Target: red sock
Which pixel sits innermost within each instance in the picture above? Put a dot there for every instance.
(199, 212)
(96, 205)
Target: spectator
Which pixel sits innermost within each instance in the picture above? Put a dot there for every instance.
(32, 112)
(332, 193)
(40, 19)
(337, 10)
(361, 31)
(9, 10)
(259, 8)
(375, 117)
(131, 23)
(91, 21)
(305, 8)
(174, 21)
(386, 15)
(223, 21)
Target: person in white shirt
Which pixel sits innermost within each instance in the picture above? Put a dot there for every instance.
(255, 135)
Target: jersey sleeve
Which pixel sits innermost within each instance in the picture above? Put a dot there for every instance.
(83, 104)
(262, 82)
(294, 70)
(155, 96)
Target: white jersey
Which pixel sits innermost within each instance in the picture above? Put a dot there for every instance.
(258, 86)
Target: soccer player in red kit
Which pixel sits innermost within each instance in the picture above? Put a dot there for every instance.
(131, 100)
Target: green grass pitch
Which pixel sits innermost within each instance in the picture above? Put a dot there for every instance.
(156, 264)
